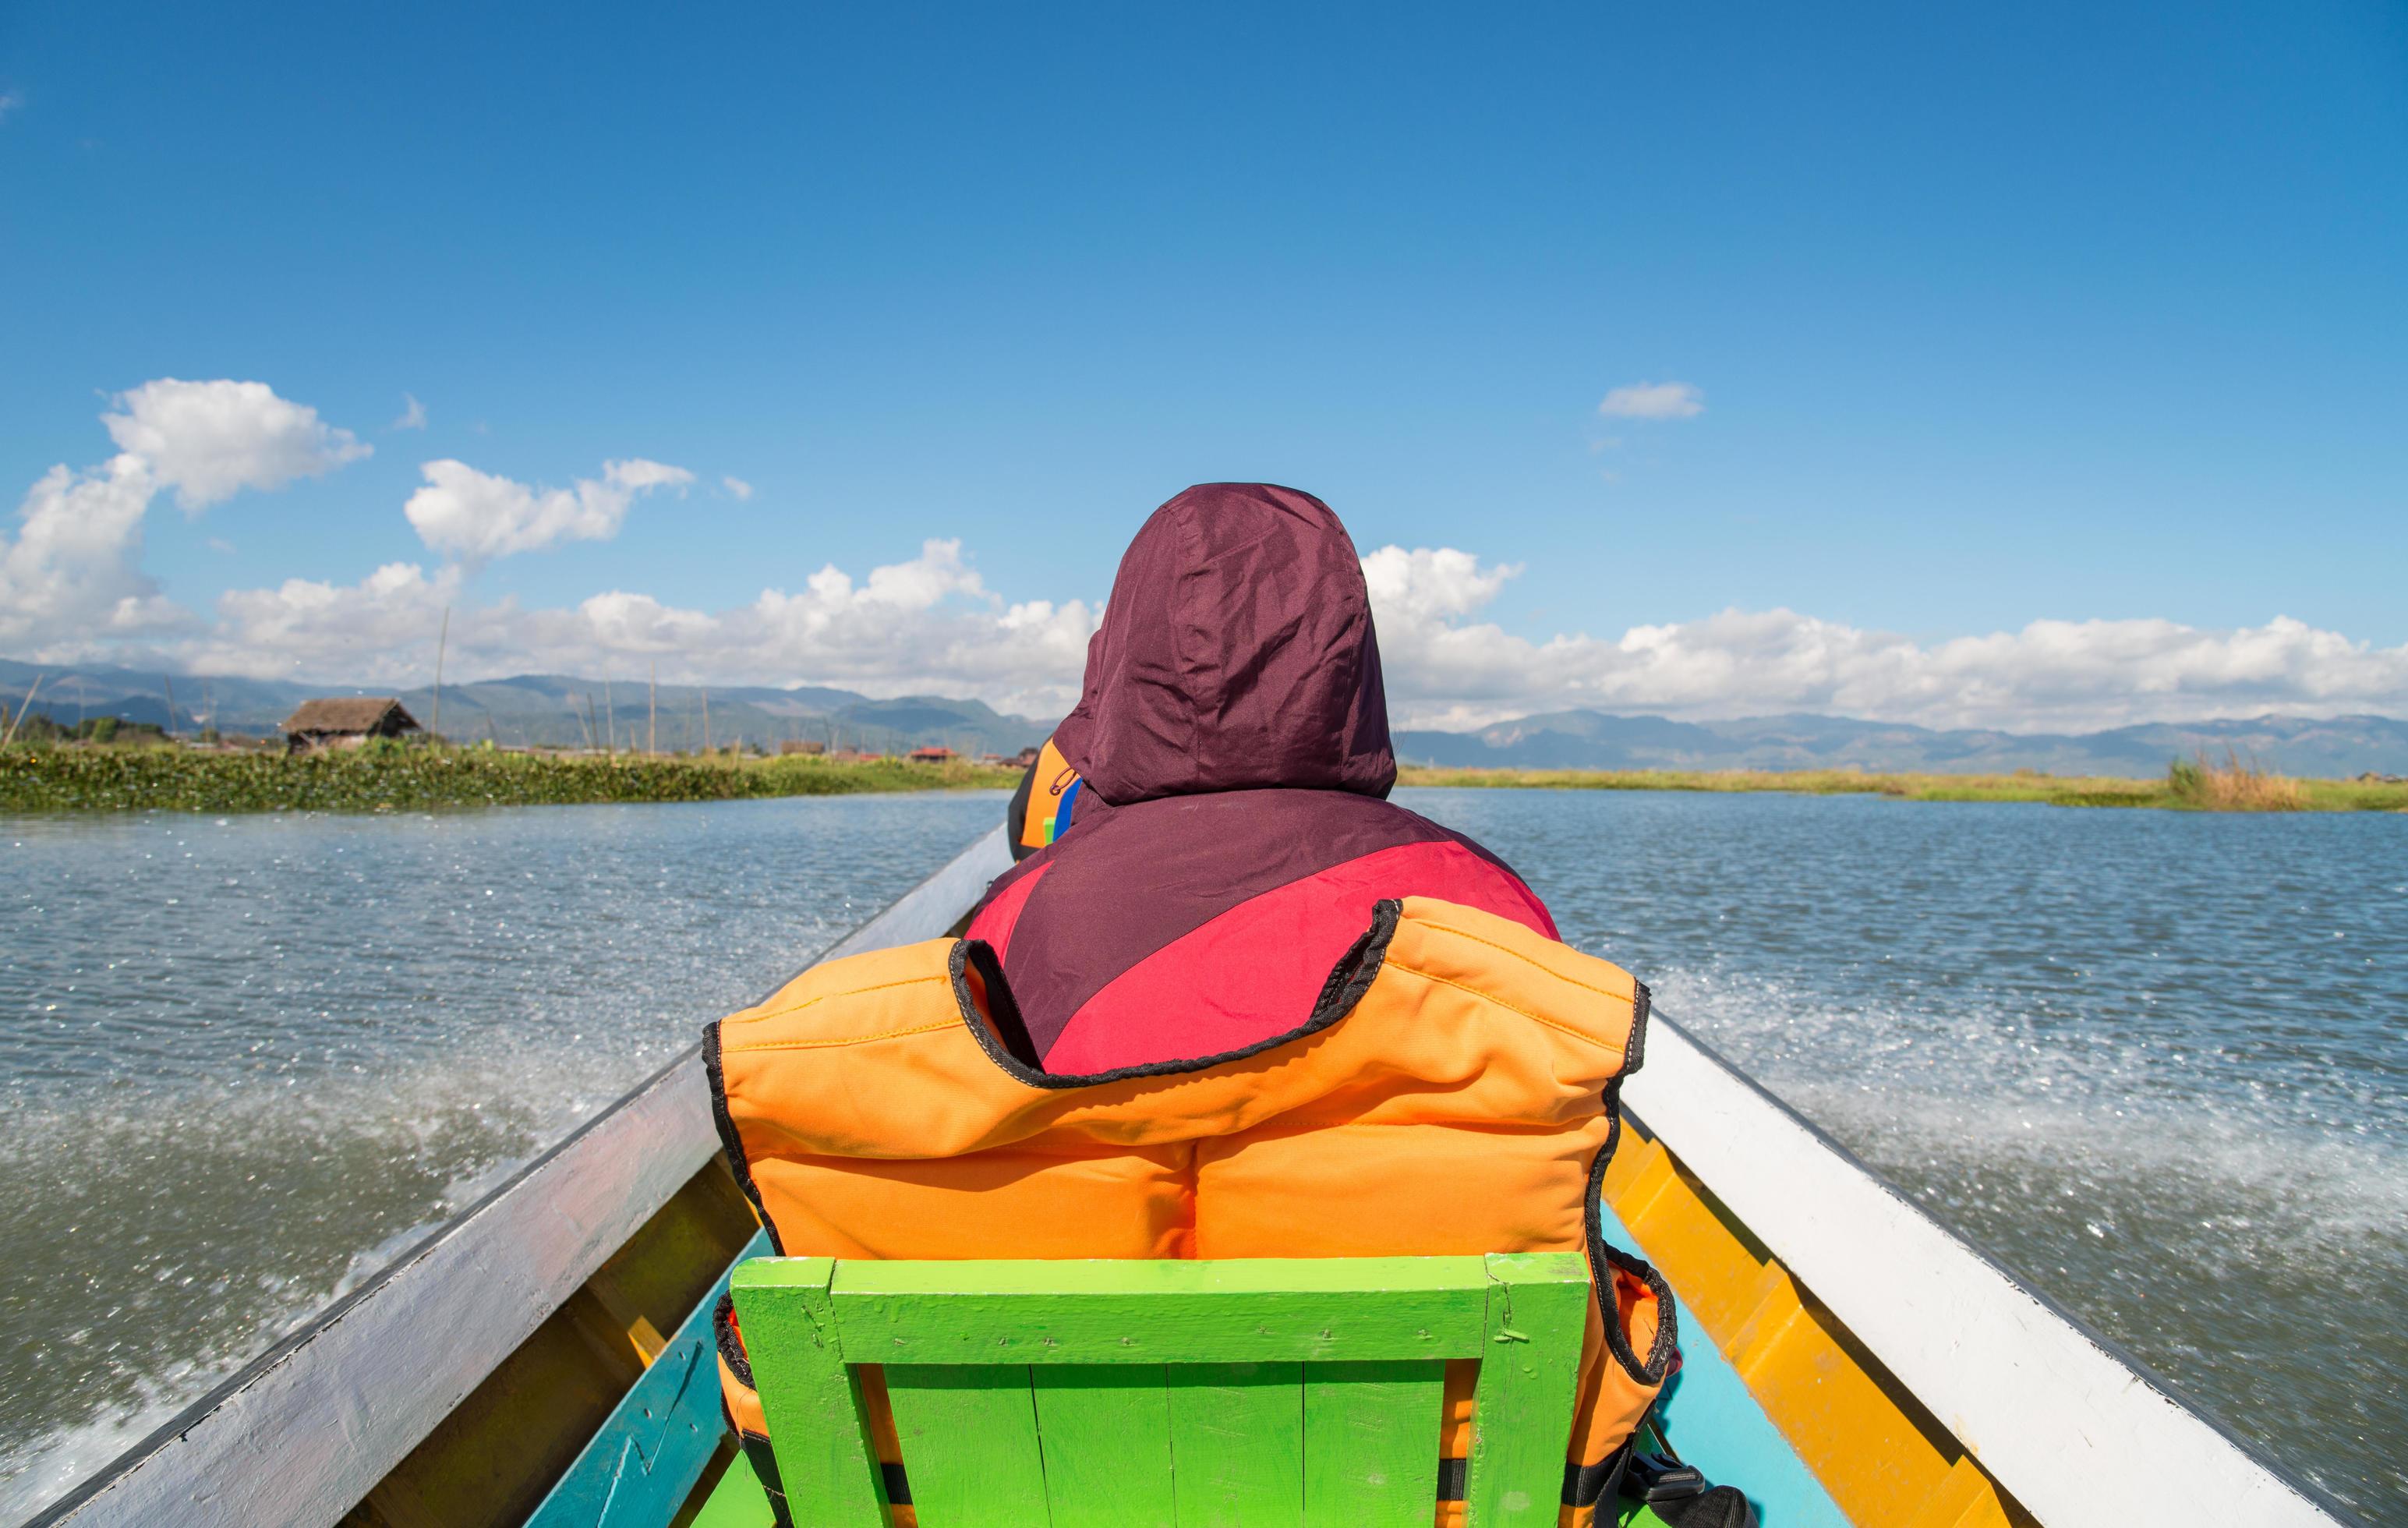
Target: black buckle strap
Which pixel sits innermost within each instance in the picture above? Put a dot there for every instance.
(1653, 1477)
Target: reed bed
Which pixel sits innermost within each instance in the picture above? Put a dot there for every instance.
(2233, 785)
(394, 778)
(2188, 786)
(419, 778)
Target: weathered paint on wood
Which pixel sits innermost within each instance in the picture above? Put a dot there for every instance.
(809, 1395)
(1237, 1445)
(1520, 1421)
(1106, 1433)
(501, 1450)
(642, 1464)
(1164, 1312)
(969, 1433)
(1232, 1432)
(1371, 1438)
(1234, 1427)
(340, 1402)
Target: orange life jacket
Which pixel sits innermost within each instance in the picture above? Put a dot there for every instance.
(1453, 1091)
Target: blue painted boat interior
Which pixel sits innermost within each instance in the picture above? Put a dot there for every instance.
(1710, 1417)
(644, 1462)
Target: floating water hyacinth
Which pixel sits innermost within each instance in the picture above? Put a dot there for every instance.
(393, 777)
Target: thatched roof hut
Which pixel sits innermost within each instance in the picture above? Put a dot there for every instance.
(346, 722)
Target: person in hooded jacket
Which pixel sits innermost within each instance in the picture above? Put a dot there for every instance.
(1225, 777)
(1233, 1001)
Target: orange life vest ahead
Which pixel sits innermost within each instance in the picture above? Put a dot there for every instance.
(1453, 1091)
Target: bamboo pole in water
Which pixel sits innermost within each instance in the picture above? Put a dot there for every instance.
(442, 640)
(11, 736)
(610, 719)
(652, 708)
(169, 682)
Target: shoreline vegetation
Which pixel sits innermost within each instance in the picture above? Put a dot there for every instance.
(93, 776)
(2189, 784)
(417, 777)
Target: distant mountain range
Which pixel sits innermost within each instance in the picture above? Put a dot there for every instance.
(552, 710)
(1592, 739)
(559, 710)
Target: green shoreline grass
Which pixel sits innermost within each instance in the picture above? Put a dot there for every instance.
(413, 779)
(2056, 790)
(46, 778)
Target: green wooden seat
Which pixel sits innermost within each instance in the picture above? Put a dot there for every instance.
(1170, 1394)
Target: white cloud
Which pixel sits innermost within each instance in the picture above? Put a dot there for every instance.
(207, 439)
(638, 474)
(72, 588)
(737, 488)
(71, 578)
(1654, 400)
(479, 517)
(414, 414)
(1423, 585)
(9, 102)
(927, 624)
(383, 628)
(1446, 670)
(72, 575)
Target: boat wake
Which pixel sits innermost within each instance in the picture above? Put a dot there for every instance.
(160, 1225)
(2231, 1230)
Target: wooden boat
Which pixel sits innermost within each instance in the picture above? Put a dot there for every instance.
(545, 1357)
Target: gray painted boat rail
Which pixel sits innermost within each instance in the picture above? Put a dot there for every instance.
(304, 1432)
(2073, 1427)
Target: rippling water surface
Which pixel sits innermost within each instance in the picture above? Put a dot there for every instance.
(2152, 1061)
(244, 1061)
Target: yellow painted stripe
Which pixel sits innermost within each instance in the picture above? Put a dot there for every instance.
(1885, 1461)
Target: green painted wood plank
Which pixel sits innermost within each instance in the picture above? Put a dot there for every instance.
(1166, 1312)
(1236, 1443)
(969, 1433)
(1160, 1275)
(810, 1395)
(1105, 1434)
(1372, 1437)
(1522, 1417)
(737, 1501)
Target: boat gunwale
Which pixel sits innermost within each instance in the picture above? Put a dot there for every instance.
(132, 1459)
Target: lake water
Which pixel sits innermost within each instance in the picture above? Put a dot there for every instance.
(2152, 1061)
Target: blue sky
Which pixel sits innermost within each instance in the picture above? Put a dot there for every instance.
(2091, 316)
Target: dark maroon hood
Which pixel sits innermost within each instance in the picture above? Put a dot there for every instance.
(1237, 653)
